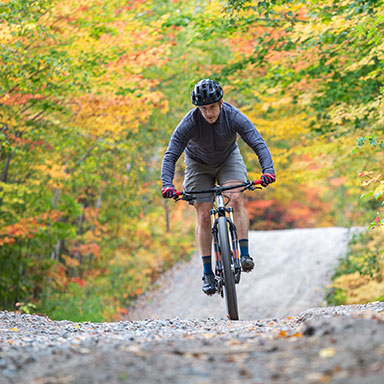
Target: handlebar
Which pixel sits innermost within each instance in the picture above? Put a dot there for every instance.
(218, 188)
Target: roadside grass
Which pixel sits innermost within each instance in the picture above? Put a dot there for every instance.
(359, 277)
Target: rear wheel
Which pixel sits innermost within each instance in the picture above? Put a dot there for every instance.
(229, 276)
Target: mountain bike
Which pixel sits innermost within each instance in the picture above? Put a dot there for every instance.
(225, 241)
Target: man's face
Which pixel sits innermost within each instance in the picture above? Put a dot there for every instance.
(211, 112)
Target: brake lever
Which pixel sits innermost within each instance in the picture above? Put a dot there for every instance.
(184, 196)
(252, 188)
(179, 196)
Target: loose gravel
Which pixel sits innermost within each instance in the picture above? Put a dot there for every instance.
(336, 344)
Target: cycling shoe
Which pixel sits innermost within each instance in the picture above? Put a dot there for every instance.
(209, 287)
(247, 263)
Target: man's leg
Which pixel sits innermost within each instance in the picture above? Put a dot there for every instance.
(203, 228)
(204, 239)
(242, 226)
(200, 176)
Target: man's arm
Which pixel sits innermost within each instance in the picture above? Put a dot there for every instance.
(252, 137)
(177, 144)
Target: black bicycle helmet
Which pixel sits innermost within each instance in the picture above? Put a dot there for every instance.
(206, 91)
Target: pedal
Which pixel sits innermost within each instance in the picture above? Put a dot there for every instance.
(237, 275)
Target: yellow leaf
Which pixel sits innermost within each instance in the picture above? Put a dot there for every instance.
(379, 192)
(326, 353)
(70, 261)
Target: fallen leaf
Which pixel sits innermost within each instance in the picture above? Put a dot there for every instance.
(208, 335)
(326, 353)
(187, 336)
(283, 334)
(317, 377)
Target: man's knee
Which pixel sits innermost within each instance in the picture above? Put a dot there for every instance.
(202, 213)
(237, 200)
(203, 218)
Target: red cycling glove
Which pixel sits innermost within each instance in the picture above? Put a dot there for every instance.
(168, 192)
(267, 178)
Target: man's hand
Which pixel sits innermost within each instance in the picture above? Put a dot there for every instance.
(267, 178)
(168, 192)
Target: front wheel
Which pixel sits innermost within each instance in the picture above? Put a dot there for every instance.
(229, 277)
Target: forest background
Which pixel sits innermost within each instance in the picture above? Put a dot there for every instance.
(90, 94)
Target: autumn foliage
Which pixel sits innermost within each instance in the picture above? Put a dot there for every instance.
(90, 92)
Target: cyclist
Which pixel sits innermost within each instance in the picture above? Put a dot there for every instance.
(208, 135)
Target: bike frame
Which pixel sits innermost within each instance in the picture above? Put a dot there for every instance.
(222, 211)
(217, 214)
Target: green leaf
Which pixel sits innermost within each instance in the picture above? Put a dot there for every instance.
(366, 196)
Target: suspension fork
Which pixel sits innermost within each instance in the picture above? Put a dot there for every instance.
(235, 240)
(215, 240)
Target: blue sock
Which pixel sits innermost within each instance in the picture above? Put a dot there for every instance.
(207, 266)
(244, 247)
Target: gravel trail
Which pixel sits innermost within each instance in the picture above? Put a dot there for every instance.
(293, 267)
(324, 345)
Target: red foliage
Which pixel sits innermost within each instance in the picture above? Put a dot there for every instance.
(337, 181)
(27, 227)
(19, 141)
(304, 212)
(19, 98)
(87, 249)
(78, 281)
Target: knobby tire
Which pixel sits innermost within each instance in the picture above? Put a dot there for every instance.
(229, 278)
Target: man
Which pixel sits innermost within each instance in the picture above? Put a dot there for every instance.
(208, 135)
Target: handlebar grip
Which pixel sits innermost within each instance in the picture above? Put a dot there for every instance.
(256, 182)
(179, 193)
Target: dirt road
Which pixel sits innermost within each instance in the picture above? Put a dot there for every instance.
(292, 269)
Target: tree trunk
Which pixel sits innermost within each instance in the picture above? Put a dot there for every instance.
(56, 197)
(4, 172)
(98, 205)
(99, 199)
(55, 254)
(167, 217)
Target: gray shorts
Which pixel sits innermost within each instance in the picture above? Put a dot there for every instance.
(201, 176)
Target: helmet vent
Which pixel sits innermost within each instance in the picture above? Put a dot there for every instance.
(206, 91)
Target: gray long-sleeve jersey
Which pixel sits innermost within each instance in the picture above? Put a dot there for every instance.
(212, 143)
